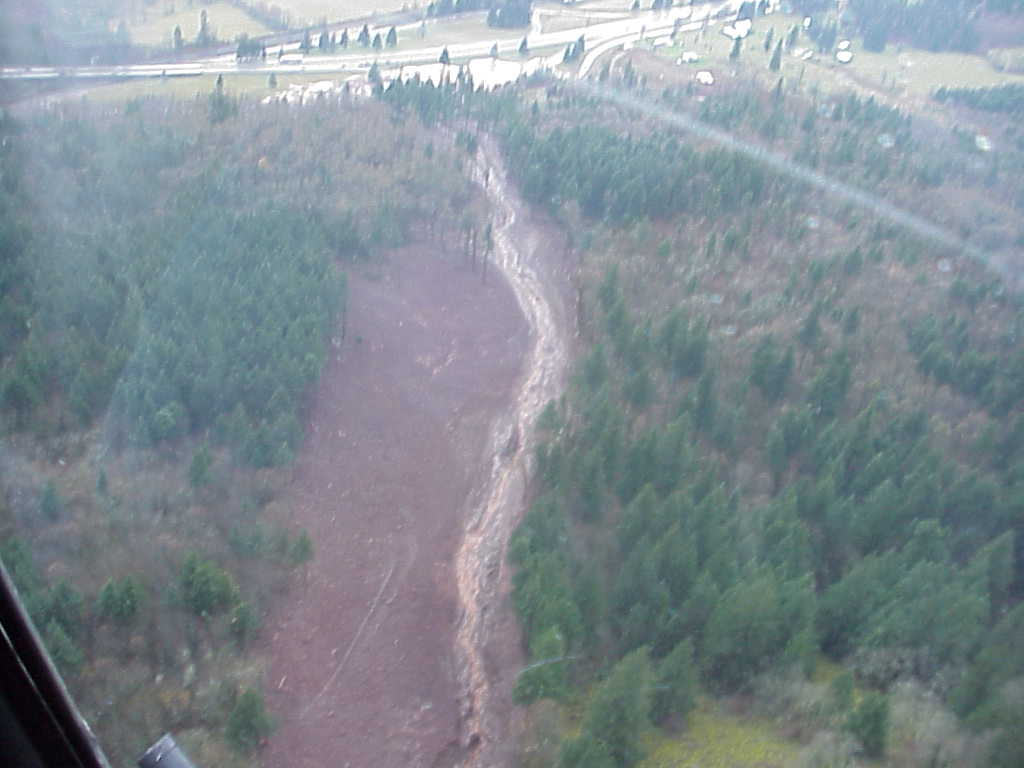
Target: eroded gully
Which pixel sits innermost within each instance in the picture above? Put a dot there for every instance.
(496, 505)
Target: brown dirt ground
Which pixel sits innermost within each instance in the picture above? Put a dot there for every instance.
(361, 655)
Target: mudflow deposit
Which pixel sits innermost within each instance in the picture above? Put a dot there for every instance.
(400, 647)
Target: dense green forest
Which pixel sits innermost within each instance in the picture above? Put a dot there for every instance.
(1001, 98)
(935, 25)
(171, 277)
(793, 434)
(860, 526)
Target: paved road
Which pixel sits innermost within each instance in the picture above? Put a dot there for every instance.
(603, 31)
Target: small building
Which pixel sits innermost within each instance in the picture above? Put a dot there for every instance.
(738, 30)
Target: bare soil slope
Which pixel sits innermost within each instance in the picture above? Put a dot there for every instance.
(362, 669)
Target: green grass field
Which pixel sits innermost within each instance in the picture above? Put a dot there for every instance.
(894, 73)
(303, 13)
(465, 28)
(227, 22)
(191, 87)
(606, 5)
(716, 739)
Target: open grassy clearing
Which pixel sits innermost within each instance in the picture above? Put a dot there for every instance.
(571, 20)
(717, 739)
(894, 75)
(466, 28)
(825, 670)
(226, 21)
(540, 51)
(604, 5)
(191, 87)
(307, 13)
(711, 738)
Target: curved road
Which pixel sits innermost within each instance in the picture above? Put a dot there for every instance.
(602, 30)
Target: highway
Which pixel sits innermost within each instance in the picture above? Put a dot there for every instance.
(602, 30)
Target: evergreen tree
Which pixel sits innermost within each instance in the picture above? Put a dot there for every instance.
(545, 676)
(378, 43)
(810, 329)
(204, 37)
(169, 422)
(829, 388)
(841, 692)
(199, 469)
(707, 402)
(1007, 749)
(585, 751)
(179, 39)
(119, 600)
(869, 723)
(524, 49)
(65, 606)
(301, 550)
(621, 708)
(752, 625)
(50, 504)
(392, 40)
(65, 654)
(248, 723)
(244, 623)
(676, 689)
(364, 36)
(445, 58)
(734, 53)
(770, 368)
(776, 60)
(205, 587)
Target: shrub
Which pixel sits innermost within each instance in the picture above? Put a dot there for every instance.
(119, 600)
(206, 588)
(869, 723)
(248, 723)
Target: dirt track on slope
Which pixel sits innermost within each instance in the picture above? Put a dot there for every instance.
(362, 667)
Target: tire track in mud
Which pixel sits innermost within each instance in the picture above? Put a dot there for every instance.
(352, 644)
(497, 503)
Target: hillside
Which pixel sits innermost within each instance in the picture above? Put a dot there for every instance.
(776, 517)
(794, 431)
(174, 283)
(793, 434)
